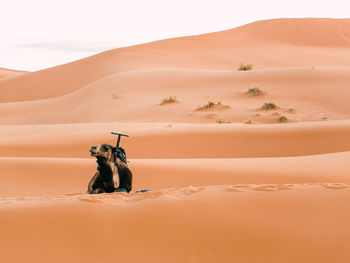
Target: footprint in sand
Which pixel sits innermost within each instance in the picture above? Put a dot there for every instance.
(74, 194)
(144, 196)
(285, 186)
(232, 189)
(90, 200)
(193, 190)
(241, 186)
(266, 188)
(336, 186)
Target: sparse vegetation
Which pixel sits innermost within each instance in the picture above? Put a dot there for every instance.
(254, 92)
(208, 106)
(248, 121)
(115, 96)
(269, 106)
(291, 110)
(222, 121)
(245, 67)
(324, 118)
(282, 119)
(168, 100)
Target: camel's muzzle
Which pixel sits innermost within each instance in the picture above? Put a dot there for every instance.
(93, 151)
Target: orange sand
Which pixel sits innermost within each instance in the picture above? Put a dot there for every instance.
(248, 190)
(8, 73)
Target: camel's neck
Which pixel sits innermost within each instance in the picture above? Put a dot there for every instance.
(104, 161)
(105, 168)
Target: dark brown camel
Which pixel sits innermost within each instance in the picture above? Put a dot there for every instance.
(107, 179)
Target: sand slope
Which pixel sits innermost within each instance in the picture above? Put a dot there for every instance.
(266, 44)
(8, 73)
(231, 183)
(158, 140)
(206, 224)
(135, 96)
(23, 176)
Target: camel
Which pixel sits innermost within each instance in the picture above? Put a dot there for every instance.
(108, 177)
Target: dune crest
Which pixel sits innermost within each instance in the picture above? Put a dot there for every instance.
(317, 32)
(221, 50)
(10, 73)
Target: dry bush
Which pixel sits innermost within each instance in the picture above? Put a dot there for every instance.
(168, 100)
(208, 106)
(222, 121)
(269, 106)
(282, 119)
(254, 92)
(245, 67)
(248, 121)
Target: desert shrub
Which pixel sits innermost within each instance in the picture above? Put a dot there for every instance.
(291, 110)
(115, 96)
(269, 106)
(222, 121)
(282, 119)
(208, 106)
(248, 121)
(245, 67)
(168, 100)
(254, 92)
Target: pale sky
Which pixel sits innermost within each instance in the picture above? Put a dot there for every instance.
(37, 34)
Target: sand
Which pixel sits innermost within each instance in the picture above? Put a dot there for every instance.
(8, 73)
(231, 182)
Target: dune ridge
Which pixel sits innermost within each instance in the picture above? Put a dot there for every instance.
(70, 175)
(10, 73)
(181, 140)
(222, 50)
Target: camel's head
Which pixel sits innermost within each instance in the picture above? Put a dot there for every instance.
(102, 151)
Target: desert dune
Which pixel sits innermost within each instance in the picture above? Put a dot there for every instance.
(230, 180)
(8, 73)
